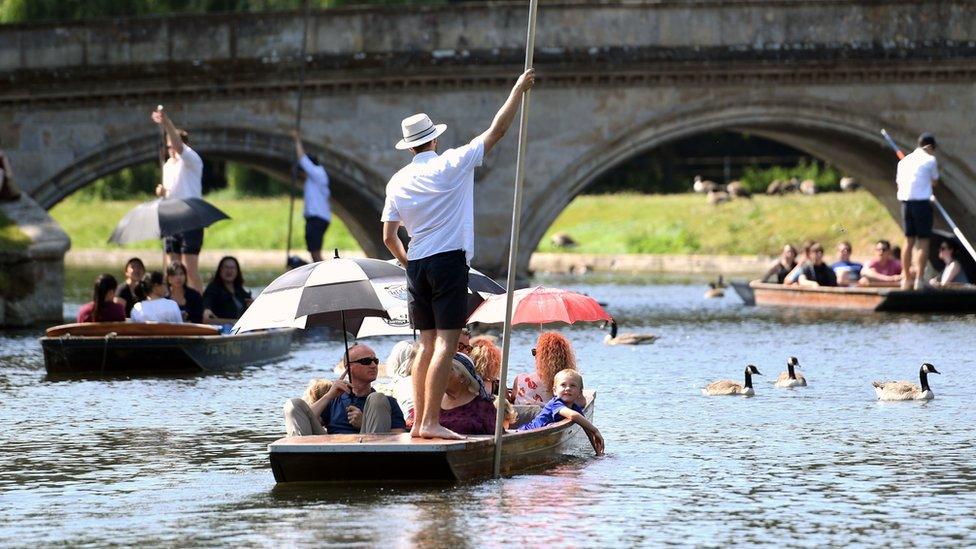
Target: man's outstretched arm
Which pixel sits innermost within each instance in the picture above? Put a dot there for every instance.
(299, 149)
(175, 140)
(503, 119)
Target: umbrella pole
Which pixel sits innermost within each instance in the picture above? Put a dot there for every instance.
(298, 127)
(345, 343)
(513, 245)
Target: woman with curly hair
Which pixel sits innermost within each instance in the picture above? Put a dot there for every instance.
(487, 359)
(552, 353)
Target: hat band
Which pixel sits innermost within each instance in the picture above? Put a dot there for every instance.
(422, 133)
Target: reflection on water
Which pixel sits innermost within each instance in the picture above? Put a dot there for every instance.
(184, 460)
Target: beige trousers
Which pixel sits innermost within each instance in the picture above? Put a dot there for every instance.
(300, 421)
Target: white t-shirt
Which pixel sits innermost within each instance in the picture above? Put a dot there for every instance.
(915, 174)
(182, 174)
(157, 310)
(433, 197)
(316, 190)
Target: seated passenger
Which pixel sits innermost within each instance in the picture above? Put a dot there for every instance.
(134, 271)
(225, 295)
(466, 408)
(794, 276)
(487, 358)
(781, 267)
(552, 353)
(399, 366)
(189, 300)
(303, 421)
(153, 306)
(848, 272)
(817, 273)
(353, 407)
(884, 269)
(102, 307)
(569, 391)
(953, 274)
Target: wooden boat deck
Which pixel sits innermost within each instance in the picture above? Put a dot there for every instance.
(866, 298)
(398, 457)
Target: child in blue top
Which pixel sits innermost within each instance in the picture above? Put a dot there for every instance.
(568, 388)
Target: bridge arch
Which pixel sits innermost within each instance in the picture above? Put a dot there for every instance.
(850, 141)
(273, 153)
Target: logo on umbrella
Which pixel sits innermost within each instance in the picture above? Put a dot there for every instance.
(397, 291)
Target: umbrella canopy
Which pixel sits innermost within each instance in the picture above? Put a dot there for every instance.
(339, 293)
(480, 287)
(165, 217)
(541, 305)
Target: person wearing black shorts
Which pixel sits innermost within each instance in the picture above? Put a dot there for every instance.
(917, 174)
(433, 198)
(316, 195)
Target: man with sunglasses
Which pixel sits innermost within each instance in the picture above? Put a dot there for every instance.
(355, 406)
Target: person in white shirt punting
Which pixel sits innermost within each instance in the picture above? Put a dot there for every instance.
(433, 197)
(317, 213)
(917, 174)
(182, 175)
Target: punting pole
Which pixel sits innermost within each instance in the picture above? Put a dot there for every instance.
(945, 215)
(298, 127)
(513, 244)
(163, 157)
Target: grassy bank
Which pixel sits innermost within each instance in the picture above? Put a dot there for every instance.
(11, 237)
(619, 223)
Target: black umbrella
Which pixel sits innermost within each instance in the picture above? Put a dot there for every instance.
(165, 217)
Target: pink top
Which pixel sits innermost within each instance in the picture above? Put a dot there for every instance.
(529, 390)
(890, 268)
(111, 312)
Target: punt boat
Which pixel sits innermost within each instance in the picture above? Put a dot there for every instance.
(400, 458)
(947, 300)
(157, 348)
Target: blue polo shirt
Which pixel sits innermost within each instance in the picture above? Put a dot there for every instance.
(549, 414)
(336, 419)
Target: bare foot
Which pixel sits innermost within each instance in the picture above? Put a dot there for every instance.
(415, 430)
(440, 431)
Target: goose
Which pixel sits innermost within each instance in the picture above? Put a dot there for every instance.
(729, 387)
(703, 185)
(563, 240)
(628, 338)
(790, 378)
(715, 289)
(906, 390)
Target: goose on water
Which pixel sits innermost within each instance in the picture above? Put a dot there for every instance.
(715, 289)
(729, 387)
(906, 390)
(790, 378)
(613, 338)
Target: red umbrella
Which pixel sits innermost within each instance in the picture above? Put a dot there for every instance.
(541, 305)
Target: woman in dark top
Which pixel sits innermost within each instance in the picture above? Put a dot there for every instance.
(818, 273)
(102, 307)
(782, 266)
(189, 300)
(225, 295)
(134, 271)
(466, 407)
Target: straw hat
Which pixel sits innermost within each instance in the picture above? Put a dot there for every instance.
(417, 130)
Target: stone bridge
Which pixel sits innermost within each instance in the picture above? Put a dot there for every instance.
(616, 78)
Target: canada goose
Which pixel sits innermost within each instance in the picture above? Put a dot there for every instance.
(715, 289)
(704, 185)
(717, 197)
(849, 184)
(737, 190)
(563, 240)
(776, 187)
(790, 378)
(627, 339)
(808, 186)
(905, 390)
(729, 387)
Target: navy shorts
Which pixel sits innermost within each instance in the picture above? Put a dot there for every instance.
(916, 216)
(438, 287)
(315, 228)
(187, 242)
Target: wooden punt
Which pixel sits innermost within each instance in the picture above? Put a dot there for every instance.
(113, 348)
(858, 298)
(399, 458)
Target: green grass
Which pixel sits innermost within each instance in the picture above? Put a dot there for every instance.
(254, 224)
(11, 237)
(614, 224)
(685, 223)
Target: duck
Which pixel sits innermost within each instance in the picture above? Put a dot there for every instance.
(790, 378)
(628, 338)
(729, 387)
(715, 289)
(906, 390)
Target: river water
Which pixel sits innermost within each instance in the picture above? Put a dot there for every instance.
(183, 461)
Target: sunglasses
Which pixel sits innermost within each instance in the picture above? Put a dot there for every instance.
(366, 361)
(464, 347)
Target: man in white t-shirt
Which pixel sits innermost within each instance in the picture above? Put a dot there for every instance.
(318, 215)
(182, 176)
(917, 174)
(433, 197)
